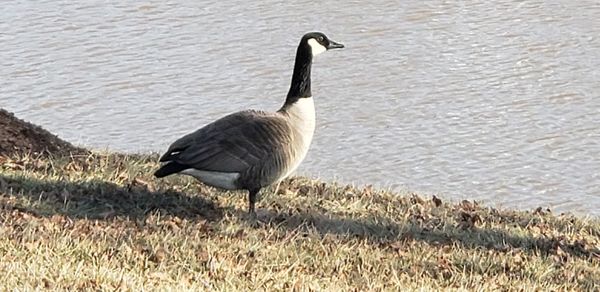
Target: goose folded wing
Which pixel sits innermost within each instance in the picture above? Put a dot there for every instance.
(231, 144)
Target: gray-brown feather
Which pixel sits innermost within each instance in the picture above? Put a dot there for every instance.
(255, 144)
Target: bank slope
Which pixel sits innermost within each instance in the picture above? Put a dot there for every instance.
(101, 221)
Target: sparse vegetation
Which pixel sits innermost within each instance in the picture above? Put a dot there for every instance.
(100, 221)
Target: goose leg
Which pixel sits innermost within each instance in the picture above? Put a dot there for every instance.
(251, 202)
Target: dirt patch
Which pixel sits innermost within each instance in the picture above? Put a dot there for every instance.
(21, 137)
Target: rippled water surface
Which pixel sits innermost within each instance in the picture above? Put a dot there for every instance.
(495, 101)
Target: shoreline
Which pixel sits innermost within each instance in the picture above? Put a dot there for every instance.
(101, 221)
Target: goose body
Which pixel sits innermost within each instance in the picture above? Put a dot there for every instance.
(252, 149)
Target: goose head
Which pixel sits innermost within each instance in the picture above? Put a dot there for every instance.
(318, 43)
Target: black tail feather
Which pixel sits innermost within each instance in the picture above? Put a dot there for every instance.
(170, 168)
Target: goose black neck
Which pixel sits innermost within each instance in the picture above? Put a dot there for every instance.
(300, 87)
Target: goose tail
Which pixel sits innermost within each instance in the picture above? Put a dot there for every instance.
(170, 168)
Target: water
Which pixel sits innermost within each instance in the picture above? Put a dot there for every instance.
(498, 102)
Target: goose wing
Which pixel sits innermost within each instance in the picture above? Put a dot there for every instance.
(233, 143)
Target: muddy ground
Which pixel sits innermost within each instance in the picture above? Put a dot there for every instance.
(20, 137)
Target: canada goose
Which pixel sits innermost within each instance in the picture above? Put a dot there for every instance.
(252, 149)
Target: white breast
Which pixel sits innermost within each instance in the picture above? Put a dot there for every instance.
(302, 118)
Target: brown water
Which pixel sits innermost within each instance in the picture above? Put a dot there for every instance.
(497, 102)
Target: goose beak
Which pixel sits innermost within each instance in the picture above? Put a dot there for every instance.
(334, 45)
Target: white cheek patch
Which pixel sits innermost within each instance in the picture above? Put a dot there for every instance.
(316, 47)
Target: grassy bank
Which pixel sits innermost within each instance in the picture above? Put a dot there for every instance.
(103, 222)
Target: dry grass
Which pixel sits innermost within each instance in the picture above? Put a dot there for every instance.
(103, 223)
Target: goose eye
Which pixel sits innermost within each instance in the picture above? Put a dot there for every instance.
(320, 39)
